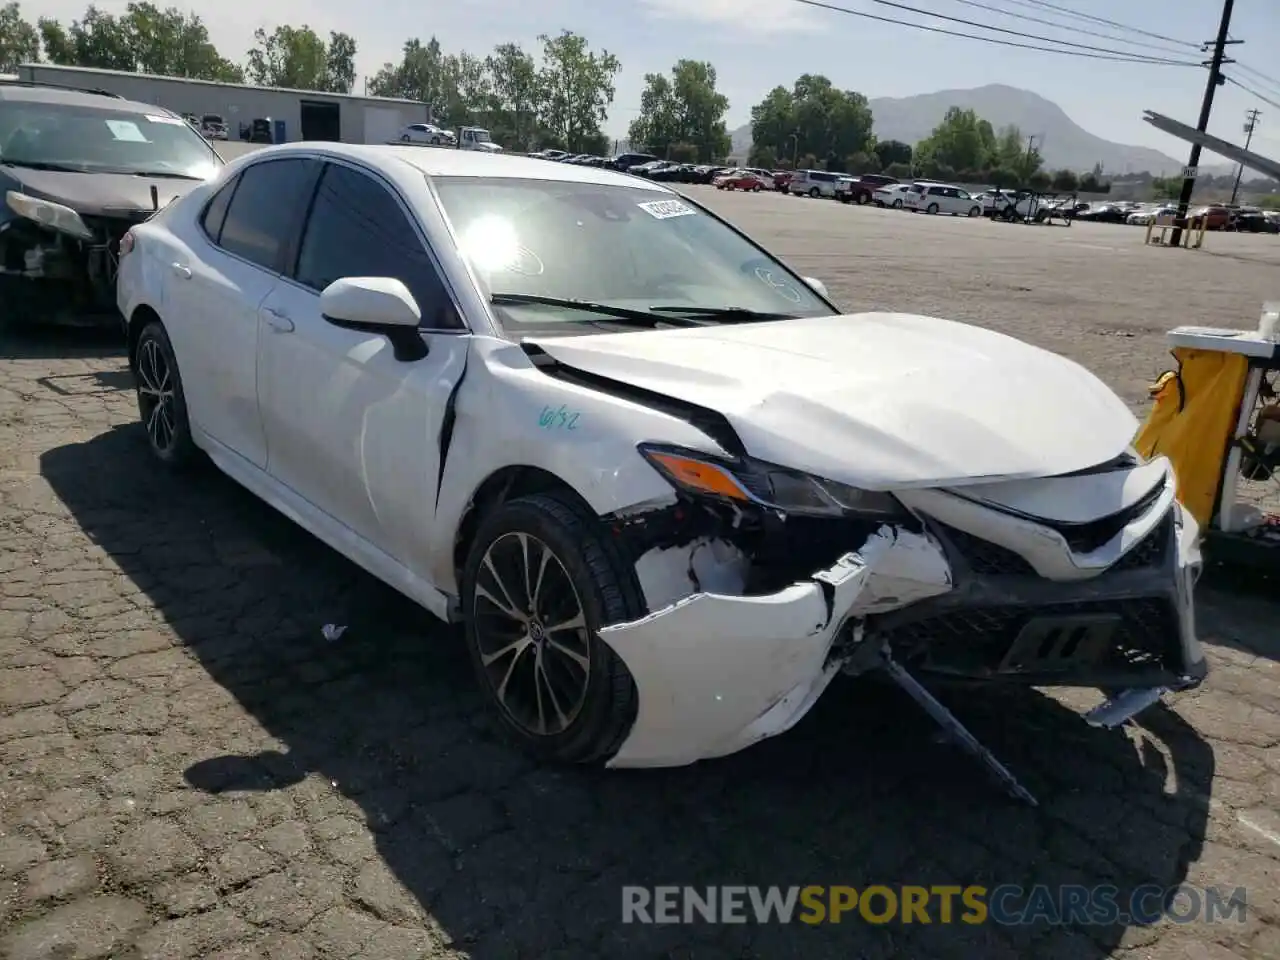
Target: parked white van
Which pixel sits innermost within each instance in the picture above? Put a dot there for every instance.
(815, 183)
(941, 198)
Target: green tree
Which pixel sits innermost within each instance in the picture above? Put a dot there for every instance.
(467, 90)
(578, 87)
(175, 44)
(297, 57)
(893, 151)
(515, 95)
(962, 141)
(98, 40)
(683, 109)
(863, 162)
(813, 118)
(1017, 152)
(418, 76)
(19, 39)
(1064, 181)
(900, 170)
(1166, 188)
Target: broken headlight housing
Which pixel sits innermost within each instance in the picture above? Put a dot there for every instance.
(50, 215)
(745, 480)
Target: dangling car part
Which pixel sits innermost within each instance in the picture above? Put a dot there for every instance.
(77, 170)
(671, 490)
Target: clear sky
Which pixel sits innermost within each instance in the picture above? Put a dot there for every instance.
(757, 44)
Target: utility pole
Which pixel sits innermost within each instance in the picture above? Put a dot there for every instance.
(1250, 122)
(1206, 108)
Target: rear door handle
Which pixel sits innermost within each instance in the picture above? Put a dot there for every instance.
(279, 320)
(181, 270)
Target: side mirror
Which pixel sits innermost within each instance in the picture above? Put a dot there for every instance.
(377, 305)
(818, 286)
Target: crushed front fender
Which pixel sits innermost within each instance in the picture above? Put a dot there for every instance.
(716, 673)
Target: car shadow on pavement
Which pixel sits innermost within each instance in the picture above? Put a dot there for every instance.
(62, 342)
(505, 858)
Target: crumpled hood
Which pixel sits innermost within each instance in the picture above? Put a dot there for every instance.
(880, 400)
(99, 194)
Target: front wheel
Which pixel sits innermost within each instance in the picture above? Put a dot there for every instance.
(405, 138)
(863, 199)
(756, 188)
(975, 211)
(162, 406)
(932, 208)
(541, 579)
(815, 193)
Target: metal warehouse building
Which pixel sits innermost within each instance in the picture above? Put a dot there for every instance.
(305, 114)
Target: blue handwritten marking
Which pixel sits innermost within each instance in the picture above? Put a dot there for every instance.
(557, 418)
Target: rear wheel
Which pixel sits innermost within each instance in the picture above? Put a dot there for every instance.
(932, 208)
(756, 188)
(897, 204)
(815, 193)
(863, 199)
(975, 211)
(541, 579)
(162, 406)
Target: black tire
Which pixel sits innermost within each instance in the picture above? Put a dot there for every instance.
(604, 586)
(756, 189)
(975, 211)
(932, 208)
(162, 405)
(863, 199)
(897, 204)
(815, 193)
(405, 138)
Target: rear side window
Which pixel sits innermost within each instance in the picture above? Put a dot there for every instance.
(265, 211)
(216, 212)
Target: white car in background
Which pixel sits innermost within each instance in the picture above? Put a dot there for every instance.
(670, 489)
(941, 198)
(1164, 213)
(891, 195)
(427, 133)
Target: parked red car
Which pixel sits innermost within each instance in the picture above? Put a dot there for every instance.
(781, 178)
(739, 180)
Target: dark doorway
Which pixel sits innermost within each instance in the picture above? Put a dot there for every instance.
(321, 121)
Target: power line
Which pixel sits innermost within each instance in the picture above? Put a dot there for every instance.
(1013, 33)
(1123, 56)
(1066, 26)
(1262, 78)
(1045, 5)
(1252, 92)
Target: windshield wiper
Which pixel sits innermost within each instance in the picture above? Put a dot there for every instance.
(724, 314)
(165, 175)
(40, 165)
(642, 318)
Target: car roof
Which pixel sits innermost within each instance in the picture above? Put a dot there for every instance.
(466, 163)
(68, 96)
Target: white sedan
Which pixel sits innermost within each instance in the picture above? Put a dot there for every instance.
(891, 195)
(427, 133)
(670, 489)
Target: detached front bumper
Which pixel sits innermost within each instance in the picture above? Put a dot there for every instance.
(716, 673)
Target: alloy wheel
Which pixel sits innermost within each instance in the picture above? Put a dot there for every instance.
(156, 395)
(531, 634)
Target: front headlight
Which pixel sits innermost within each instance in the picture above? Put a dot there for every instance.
(53, 216)
(753, 481)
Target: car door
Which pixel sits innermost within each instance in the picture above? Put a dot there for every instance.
(349, 427)
(235, 261)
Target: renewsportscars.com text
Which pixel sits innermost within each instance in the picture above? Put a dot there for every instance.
(1007, 904)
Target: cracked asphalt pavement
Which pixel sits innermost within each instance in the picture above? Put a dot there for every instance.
(188, 769)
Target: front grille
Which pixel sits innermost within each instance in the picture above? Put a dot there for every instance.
(984, 557)
(975, 641)
(1151, 551)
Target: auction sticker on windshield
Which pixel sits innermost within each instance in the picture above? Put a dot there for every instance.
(126, 130)
(666, 209)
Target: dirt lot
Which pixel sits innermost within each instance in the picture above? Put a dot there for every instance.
(190, 771)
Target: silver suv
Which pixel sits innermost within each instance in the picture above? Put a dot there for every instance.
(815, 183)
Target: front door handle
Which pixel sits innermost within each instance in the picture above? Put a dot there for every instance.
(181, 270)
(279, 320)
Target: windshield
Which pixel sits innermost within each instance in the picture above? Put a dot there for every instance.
(481, 136)
(90, 140)
(628, 247)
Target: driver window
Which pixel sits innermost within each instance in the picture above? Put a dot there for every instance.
(356, 228)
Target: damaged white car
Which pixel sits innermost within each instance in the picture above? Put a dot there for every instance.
(670, 489)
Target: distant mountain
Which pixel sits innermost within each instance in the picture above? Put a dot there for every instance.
(1062, 142)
